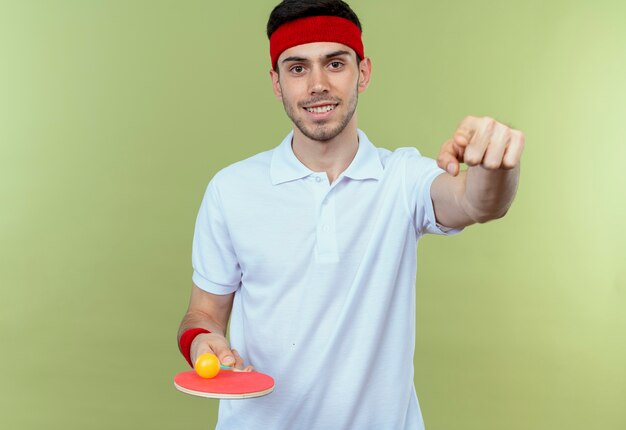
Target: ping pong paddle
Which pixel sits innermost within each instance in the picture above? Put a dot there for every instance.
(228, 384)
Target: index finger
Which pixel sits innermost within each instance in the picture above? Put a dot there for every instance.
(239, 363)
(466, 130)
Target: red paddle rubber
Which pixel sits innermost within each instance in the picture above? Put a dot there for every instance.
(228, 384)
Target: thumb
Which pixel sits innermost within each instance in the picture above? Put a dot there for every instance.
(449, 156)
(212, 343)
(224, 353)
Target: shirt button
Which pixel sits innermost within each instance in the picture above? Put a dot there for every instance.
(318, 179)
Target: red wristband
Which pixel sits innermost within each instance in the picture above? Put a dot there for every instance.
(185, 342)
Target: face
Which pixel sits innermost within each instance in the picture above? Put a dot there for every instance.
(319, 84)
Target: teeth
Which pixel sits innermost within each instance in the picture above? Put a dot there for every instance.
(321, 109)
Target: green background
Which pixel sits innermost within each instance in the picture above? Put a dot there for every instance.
(114, 115)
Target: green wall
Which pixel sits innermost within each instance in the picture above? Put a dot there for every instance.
(115, 114)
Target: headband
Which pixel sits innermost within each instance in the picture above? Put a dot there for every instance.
(315, 29)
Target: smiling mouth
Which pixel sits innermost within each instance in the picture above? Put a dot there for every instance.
(321, 109)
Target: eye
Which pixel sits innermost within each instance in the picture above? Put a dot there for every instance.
(297, 69)
(336, 65)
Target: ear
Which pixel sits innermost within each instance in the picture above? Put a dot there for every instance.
(278, 92)
(365, 71)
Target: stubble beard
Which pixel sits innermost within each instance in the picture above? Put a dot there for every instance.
(322, 132)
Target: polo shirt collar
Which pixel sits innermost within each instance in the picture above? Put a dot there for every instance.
(366, 163)
(286, 167)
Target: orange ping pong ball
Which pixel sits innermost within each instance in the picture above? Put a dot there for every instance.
(207, 365)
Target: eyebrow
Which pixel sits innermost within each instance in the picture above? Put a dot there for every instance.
(327, 56)
(337, 54)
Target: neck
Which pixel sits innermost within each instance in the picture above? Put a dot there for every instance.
(330, 156)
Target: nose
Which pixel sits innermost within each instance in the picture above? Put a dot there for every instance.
(318, 81)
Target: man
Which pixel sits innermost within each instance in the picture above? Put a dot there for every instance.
(312, 245)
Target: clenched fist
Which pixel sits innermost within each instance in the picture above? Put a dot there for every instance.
(482, 141)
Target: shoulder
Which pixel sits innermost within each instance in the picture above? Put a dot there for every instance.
(390, 158)
(396, 163)
(398, 153)
(242, 173)
(400, 157)
(408, 165)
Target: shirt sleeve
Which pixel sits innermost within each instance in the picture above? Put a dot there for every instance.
(215, 265)
(420, 172)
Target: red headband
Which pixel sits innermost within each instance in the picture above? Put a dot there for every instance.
(315, 29)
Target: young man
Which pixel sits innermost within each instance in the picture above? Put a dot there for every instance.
(309, 250)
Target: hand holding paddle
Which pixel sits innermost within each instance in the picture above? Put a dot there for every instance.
(210, 379)
(214, 343)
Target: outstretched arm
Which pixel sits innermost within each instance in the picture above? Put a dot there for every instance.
(486, 189)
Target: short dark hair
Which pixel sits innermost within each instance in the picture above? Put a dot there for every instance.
(289, 10)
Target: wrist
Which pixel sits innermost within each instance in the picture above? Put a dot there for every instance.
(186, 340)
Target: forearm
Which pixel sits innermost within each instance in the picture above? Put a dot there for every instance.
(211, 312)
(488, 194)
(208, 311)
(486, 190)
(198, 319)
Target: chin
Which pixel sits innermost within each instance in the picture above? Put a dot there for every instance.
(322, 134)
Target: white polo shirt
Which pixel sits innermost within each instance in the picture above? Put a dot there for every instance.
(324, 276)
